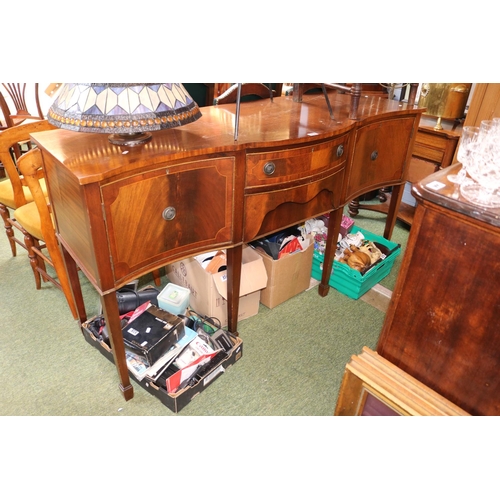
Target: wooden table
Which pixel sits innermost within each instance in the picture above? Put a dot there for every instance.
(443, 322)
(123, 212)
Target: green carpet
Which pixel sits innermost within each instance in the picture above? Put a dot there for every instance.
(293, 355)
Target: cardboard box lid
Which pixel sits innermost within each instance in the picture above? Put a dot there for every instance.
(253, 274)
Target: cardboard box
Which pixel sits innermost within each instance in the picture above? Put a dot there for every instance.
(175, 402)
(209, 291)
(286, 277)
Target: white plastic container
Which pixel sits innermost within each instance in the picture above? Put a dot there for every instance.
(174, 299)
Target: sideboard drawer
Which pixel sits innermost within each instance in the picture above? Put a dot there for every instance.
(289, 165)
(164, 212)
(273, 210)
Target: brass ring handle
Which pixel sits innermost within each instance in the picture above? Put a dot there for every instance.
(374, 155)
(269, 168)
(169, 213)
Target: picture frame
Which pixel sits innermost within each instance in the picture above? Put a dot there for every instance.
(372, 386)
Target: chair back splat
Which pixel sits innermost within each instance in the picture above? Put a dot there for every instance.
(17, 93)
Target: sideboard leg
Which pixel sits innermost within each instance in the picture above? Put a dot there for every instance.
(392, 214)
(234, 257)
(113, 324)
(334, 222)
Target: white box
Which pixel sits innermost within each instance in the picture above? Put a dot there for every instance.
(174, 299)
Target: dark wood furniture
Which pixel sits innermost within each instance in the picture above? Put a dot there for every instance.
(443, 320)
(121, 212)
(433, 150)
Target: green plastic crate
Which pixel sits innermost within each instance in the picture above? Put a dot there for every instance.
(351, 282)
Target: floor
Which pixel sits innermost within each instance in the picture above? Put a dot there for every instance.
(378, 296)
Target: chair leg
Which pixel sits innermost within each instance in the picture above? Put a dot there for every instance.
(4, 212)
(30, 242)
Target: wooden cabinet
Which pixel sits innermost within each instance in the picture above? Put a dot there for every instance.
(443, 320)
(121, 212)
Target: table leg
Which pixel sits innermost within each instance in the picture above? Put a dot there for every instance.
(74, 280)
(234, 257)
(392, 214)
(334, 222)
(112, 317)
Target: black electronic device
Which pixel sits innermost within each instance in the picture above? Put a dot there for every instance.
(152, 334)
(130, 300)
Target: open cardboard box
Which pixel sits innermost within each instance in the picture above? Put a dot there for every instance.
(209, 291)
(287, 276)
(175, 402)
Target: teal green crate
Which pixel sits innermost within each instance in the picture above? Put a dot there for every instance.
(351, 282)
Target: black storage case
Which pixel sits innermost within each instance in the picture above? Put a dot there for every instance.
(174, 402)
(152, 334)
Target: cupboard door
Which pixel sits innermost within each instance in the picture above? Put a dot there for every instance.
(379, 155)
(171, 211)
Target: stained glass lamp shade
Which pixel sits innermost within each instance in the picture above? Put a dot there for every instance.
(129, 112)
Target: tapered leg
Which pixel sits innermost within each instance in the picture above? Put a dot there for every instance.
(234, 257)
(112, 317)
(392, 214)
(74, 283)
(331, 244)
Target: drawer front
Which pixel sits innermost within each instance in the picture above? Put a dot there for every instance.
(379, 157)
(274, 210)
(170, 211)
(290, 165)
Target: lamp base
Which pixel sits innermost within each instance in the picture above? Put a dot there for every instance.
(130, 139)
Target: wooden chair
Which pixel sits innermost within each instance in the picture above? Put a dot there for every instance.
(38, 223)
(14, 193)
(17, 93)
(250, 91)
(4, 111)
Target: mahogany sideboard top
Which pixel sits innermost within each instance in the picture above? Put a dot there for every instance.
(121, 212)
(443, 322)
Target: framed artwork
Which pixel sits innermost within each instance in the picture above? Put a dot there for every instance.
(372, 386)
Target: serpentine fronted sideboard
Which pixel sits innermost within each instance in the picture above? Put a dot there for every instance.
(123, 212)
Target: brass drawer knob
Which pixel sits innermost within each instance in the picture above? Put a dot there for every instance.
(340, 151)
(169, 213)
(374, 155)
(269, 168)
